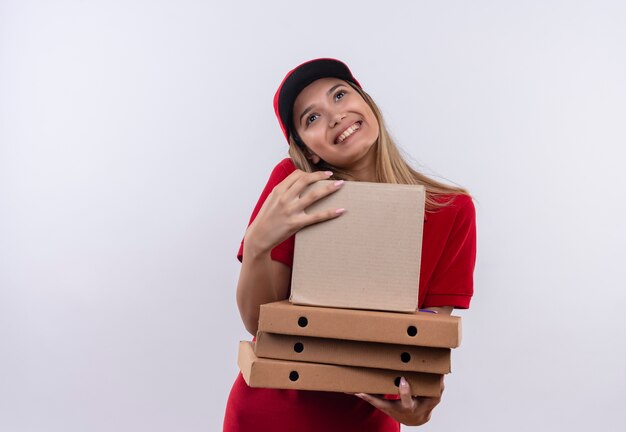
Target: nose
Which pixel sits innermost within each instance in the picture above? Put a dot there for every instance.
(336, 118)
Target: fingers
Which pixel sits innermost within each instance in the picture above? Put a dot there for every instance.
(299, 180)
(288, 182)
(405, 394)
(304, 200)
(318, 193)
(381, 404)
(310, 219)
(290, 194)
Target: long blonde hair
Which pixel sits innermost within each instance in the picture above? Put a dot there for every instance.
(390, 165)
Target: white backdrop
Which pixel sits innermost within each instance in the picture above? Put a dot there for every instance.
(135, 137)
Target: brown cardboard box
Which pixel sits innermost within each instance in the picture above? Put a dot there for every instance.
(353, 353)
(281, 374)
(369, 258)
(418, 328)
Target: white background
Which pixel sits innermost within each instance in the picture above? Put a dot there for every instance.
(135, 137)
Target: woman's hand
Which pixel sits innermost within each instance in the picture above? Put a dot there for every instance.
(282, 214)
(261, 279)
(408, 410)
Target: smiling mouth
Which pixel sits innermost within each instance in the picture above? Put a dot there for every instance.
(345, 134)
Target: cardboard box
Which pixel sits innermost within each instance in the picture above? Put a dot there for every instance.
(418, 328)
(369, 258)
(282, 374)
(353, 353)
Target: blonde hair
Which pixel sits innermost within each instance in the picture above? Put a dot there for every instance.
(390, 165)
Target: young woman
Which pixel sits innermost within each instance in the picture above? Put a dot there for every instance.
(335, 131)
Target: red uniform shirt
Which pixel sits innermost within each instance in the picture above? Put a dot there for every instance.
(446, 279)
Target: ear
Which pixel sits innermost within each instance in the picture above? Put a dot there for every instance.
(311, 156)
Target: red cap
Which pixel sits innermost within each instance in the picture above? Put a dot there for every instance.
(300, 77)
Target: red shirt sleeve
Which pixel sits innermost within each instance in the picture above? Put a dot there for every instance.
(452, 282)
(284, 251)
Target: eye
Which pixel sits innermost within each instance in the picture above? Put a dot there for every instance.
(310, 119)
(340, 94)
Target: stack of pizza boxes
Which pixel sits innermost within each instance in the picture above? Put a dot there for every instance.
(351, 323)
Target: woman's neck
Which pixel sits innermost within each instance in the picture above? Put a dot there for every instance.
(364, 169)
(365, 174)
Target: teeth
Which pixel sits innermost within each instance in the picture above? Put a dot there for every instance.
(348, 132)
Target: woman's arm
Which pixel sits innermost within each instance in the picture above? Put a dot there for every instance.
(262, 280)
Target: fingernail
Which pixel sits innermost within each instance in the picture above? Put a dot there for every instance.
(339, 211)
(328, 173)
(403, 382)
(338, 183)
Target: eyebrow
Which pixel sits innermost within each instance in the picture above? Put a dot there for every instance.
(310, 107)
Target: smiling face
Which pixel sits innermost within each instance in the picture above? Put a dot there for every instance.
(337, 125)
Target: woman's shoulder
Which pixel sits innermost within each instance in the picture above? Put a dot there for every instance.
(281, 171)
(461, 200)
(284, 168)
(452, 205)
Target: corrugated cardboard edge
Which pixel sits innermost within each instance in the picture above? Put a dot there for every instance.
(266, 373)
(433, 330)
(245, 360)
(349, 304)
(353, 353)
